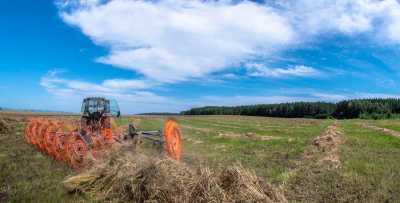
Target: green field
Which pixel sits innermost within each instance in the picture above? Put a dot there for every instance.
(279, 150)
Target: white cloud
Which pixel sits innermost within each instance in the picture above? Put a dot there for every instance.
(123, 90)
(122, 83)
(71, 92)
(376, 17)
(242, 100)
(347, 16)
(174, 40)
(257, 69)
(229, 76)
(177, 40)
(331, 97)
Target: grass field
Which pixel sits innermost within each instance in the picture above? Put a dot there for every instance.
(277, 149)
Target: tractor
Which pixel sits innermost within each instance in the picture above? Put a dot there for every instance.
(76, 143)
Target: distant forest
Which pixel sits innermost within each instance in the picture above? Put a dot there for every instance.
(355, 108)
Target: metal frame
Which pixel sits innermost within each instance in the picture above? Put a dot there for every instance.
(153, 135)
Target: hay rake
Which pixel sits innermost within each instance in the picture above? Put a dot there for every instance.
(77, 146)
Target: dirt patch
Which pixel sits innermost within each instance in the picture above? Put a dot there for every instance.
(140, 178)
(328, 144)
(383, 130)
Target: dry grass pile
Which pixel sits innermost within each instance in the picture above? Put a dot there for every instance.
(330, 140)
(5, 126)
(248, 135)
(140, 178)
(329, 144)
(383, 130)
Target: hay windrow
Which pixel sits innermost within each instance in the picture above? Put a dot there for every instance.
(140, 178)
(329, 144)
(6, 125)
(385, 131)
(4, 128)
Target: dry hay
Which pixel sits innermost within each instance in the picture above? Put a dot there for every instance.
(140, 178)
(383, 130)
(202, 130)
(254, 136)
(329, 144)
(248, 135)
(3, 126)
(6, 125)
(198, 142)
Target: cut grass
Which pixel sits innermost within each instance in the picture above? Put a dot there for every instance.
(389, 124)
(369, 172)
(373, 160)
(271, 159)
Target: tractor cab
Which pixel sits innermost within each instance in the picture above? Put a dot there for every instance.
(98, 107)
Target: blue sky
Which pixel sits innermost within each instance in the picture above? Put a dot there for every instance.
(172, 55)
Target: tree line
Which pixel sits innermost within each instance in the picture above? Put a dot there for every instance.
(355, 108)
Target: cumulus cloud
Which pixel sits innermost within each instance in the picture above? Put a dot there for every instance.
(174, 40)
(376, 17)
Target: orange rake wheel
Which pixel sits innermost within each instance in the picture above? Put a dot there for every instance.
(49, 138)
(172, 139)
(28, 130)
(60, 140)
(41, 131)
(99, 146)
(77, 150)
(34, 132)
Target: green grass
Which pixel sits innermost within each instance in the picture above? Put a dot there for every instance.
(271, 158)
(372, 159)
(390, 124)
(123, 121)
(369, 170)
